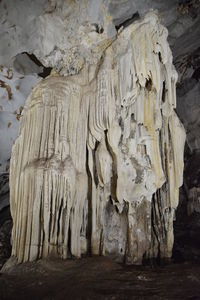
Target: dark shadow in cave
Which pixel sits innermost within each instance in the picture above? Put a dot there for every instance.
(46, 70)
(187, 226)
(129, 21)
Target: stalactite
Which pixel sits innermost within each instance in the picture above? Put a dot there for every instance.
(98, 162)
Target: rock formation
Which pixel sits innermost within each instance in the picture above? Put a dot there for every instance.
(98, 162)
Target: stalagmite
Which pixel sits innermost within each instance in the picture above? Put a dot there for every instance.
(98, 162)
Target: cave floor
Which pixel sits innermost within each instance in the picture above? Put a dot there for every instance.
(99, 278)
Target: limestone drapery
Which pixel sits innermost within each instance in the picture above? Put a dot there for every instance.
(98, 162)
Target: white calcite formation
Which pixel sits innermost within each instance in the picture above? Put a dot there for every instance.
(14, 90)
(98, 162)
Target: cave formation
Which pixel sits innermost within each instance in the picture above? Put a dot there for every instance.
(100, 149)
(97, 165)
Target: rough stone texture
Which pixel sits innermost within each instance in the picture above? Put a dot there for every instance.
(52, 28)
(97, 165)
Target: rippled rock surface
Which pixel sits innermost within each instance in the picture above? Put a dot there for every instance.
(98, 162)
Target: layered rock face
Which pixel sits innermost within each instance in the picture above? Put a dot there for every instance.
(98, 162)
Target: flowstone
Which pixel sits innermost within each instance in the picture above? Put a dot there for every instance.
(98, 162)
